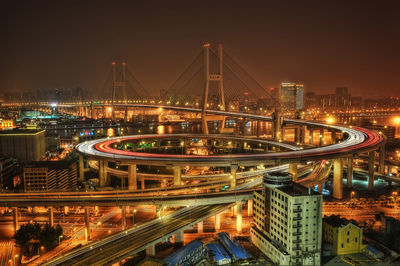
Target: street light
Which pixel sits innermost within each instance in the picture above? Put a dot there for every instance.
(396, 121)
(394, 194)
(59, 239)
(352, 194)
(16, 256)
(133, 217)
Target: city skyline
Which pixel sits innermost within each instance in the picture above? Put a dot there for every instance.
(199, 133)
(323, 46)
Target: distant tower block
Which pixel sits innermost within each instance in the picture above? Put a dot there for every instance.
(213, 77)
(119, 84)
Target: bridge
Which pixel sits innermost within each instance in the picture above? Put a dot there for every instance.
(346, 144)
(131, 241)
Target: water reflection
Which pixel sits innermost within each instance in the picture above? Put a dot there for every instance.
(110, 132)
(247, 129)
(161, 130)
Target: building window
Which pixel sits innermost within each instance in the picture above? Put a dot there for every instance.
(342, 245)
(348, 240)
(348, 233)
(355, 239)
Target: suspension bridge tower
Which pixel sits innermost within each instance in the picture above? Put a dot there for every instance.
(119, 84)
(213, 78)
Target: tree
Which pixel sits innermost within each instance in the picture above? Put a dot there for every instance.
(49, 236)
(24, 236)
(29, 237)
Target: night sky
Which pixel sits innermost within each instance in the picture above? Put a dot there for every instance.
(325, 44)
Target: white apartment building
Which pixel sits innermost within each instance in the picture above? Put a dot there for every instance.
(288, 221)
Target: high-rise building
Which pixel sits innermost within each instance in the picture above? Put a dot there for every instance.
(343, 98)
(292, 96)
(8, 169)
(24, 144)
(288, 221)
(50, 176)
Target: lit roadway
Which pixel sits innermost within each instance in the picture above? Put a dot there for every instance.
(131, 241)
(115, 199)
(166, 196)
(358, 140)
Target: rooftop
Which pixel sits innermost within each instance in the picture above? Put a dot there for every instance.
(51, 164)
(337, 221)
(21, 131)
(295, 189)
(176, 257)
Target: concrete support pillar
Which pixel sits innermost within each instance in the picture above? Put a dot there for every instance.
(123, 217)
(297, 134)
(276, 125)
(217, 224)
(350, 172)
(142, 182)
(234, 168)
(151, 250)
(179, 236)
(177, 175)
(158, 211)
(102, 173)
(371, 170)
(250, 207)
(382, 155)
(123, 182)
(333, 137)
(293, 171)
(132, 177)
(51, 216)
(338, 178)
(87, 224)
(311, 136)
(200, 227)
(303, 134)
(81, 169)
(321, 137)
(234, 210)
(15, 219)
(239, 217)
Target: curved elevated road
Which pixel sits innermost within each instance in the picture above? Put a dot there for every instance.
(357, 140)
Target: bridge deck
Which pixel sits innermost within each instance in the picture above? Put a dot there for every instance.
(131, 241)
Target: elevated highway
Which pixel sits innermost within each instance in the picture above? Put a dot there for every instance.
(358, 140)
(116, 199)
(131, 241)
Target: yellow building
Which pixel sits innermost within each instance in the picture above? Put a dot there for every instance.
(345, 236)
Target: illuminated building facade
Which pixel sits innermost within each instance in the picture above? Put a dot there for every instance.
(345, 236)
(292, 96)
(7, 172)
(24, 144)
(288, 226)
(50, 176)
(6, 124)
